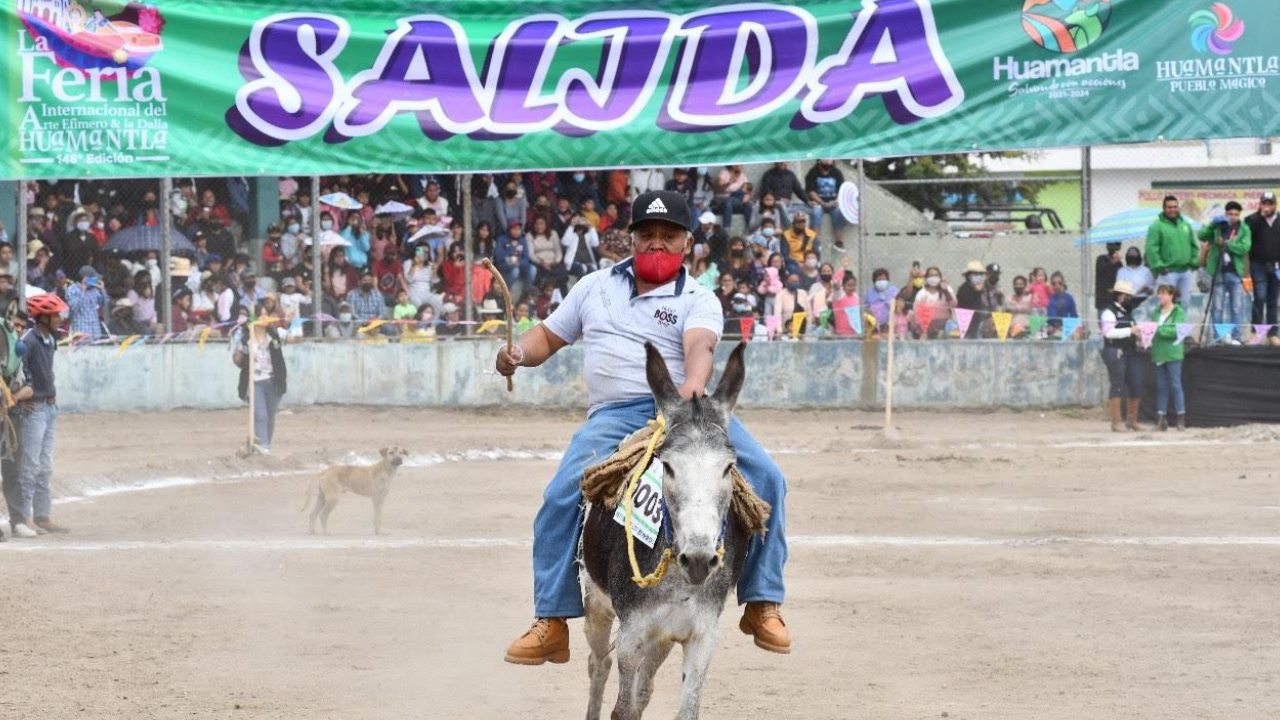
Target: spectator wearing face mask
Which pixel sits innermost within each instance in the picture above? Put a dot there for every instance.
(790, 300)
(514, 207)
(1138, 276)
(994, 295)
(682, 182)
(726, 288)
(78, 247)
(822, 293)
(809, 271)
(576, 187)
(1061, 304)
(740, 263)
(879, 297)
(1264, 264)
(971, 297)
(1119, 354)
(712, 237)
(936, 292)
(799, 239)
(1019, 303)
(358, 239)
(367, 304)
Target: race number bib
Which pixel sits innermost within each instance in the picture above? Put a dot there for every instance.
(646, 516)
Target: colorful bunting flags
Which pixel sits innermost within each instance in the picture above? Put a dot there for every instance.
(797, 323)
(854, 313)
(1069, 327)
(1260, 334)
(128, 342)
(1036, 323)
(1002, 320)
(824, 319)
(1224, 330)
(1184, 331)
(924, 314)
(773, 324)
(1146, 332)
(746, 325)
(963, 319)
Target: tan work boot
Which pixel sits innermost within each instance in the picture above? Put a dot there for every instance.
(50, 526)
(764, 621)
(547, 640)
(1117, 422)
(1132, 423)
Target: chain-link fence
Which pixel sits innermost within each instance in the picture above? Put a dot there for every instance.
(311, 247)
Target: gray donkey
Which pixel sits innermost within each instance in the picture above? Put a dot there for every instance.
(685, 607)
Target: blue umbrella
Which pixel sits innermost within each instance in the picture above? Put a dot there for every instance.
(147, 238)
(1124, 227)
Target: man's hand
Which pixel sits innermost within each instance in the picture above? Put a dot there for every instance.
(688, 390)
(509, 360)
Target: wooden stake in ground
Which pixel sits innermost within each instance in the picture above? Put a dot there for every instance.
(890, 431)
(506, 299)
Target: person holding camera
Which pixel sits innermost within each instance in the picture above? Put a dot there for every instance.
(1224, 254)
(87, 301)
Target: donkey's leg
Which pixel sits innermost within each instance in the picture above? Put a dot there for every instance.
(599, 623)
(630, 651)
(697, 656)
(655, 654)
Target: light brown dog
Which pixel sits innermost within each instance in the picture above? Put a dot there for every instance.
(371, 481)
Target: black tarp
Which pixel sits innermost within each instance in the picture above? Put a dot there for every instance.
(1224, 386)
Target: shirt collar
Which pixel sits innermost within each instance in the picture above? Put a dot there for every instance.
(676, 286)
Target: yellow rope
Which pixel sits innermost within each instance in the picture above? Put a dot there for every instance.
(659, 425)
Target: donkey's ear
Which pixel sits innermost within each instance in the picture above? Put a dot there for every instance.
(383, 451)
(735, 372)
(655, 368)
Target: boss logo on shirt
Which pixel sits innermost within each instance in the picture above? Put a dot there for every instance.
(666, 316)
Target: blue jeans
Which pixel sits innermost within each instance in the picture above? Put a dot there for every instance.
(556, 589)
(1266, 295)
(1169, 377)
(1184, 281)
(1228, 301)
(733, 203)
(266, 402)
(1124, 370)
(39, 426)
(837, 219)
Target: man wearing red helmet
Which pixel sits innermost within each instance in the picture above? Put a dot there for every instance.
(39, 416)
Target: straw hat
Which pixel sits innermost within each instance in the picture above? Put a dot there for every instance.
(1123, 287)
(34, 247)
(975, 266)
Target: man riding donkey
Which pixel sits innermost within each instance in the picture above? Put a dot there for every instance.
(647, 298)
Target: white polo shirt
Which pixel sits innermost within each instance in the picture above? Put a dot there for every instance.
(614, 322)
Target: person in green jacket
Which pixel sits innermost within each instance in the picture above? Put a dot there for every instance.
(1167, 352)
(1233, 238)
(1172, 253)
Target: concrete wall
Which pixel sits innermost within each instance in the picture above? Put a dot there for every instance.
(949, 374)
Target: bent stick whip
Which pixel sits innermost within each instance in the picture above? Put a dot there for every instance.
(506, 299)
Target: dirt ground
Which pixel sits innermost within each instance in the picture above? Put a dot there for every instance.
(1007, 565)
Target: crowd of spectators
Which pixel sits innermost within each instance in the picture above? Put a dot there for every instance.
(393, 259)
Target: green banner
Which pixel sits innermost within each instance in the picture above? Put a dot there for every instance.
(109, 88)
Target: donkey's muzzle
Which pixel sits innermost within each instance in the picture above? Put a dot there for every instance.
(697, 567)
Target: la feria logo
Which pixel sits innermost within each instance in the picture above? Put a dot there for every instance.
(1215, 30)
(89, 96)
(81, 36)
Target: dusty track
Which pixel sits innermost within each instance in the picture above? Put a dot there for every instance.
(988, 566)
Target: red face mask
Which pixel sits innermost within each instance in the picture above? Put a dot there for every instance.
(657, 267)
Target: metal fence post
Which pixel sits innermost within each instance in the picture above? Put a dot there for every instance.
(20, 241)
(1086, 220)
(317, 273)
(166, 250)
(468, 250)
(862, 222)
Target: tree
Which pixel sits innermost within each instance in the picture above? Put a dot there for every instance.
(968, 183)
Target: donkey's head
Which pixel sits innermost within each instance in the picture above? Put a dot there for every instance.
(697, 459)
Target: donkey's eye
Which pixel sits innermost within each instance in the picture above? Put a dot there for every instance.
(728, 468)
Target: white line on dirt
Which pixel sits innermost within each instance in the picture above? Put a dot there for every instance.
(802, 541)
